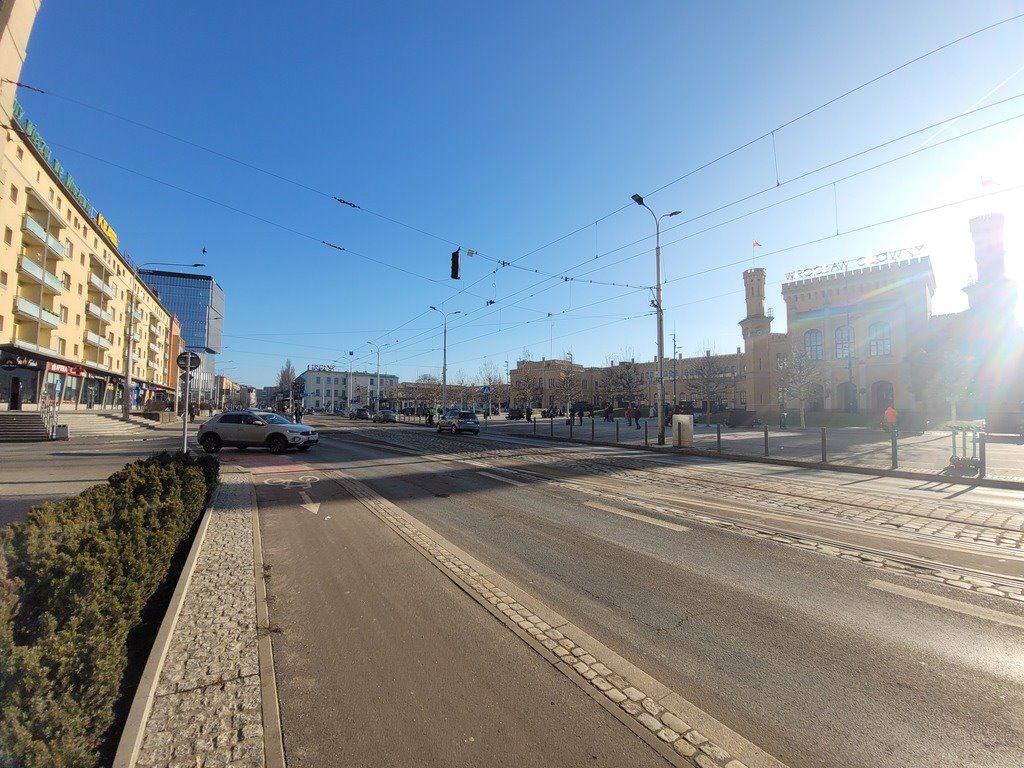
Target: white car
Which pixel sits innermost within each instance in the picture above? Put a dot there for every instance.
(255, 429)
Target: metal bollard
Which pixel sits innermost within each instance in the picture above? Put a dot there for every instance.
(551, 424)
(718, 436)
(952, 435)
(766, 440)
(895, 458)
(981, 454)
(534, 426)
(824, 455)
(646, 441)
(591, 428)
(570, 427)
(616, 430)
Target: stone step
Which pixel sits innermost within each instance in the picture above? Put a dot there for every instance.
(18, 427)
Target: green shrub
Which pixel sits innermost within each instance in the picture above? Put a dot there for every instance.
(74, 578)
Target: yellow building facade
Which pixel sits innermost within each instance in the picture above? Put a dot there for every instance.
(74, 316)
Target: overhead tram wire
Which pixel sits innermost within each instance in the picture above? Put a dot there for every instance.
(815, 241)
(309, 188)
(504, 300)
(804, 193)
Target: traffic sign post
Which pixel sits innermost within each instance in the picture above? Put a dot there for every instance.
(487, 391)
(187, 361)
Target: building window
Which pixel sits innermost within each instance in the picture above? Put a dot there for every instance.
(20, 153)
(879, 340)
(317, 379)
(61, 344)
(844, 341)
(8, 235)
(63, 314)
(14, 194)
(814, 345)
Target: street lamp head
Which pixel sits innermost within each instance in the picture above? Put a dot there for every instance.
(637, 199)
(675, 213)
(435, 309)
(457, 312)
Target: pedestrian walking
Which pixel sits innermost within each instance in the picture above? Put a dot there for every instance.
(608, 412)
(193, 411)
(297, 413)
(654, 411)
(630, 413)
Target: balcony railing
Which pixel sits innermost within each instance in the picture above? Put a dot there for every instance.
(154, 348)
(94, 339)
(151, 364)
(98, 312)
(33, 311)
(153, 329)
(105, 288)
(49, 280)
(44, 238)
(137, 314)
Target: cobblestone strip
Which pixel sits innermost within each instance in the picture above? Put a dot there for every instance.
(207, 712)
(645, 710)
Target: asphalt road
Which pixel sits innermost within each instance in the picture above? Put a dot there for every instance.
(815, 660)
(31, 473)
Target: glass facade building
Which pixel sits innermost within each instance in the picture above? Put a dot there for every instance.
(198, 302)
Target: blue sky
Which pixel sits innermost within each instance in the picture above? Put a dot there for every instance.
(521, 131)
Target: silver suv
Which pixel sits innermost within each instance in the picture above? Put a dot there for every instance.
(255, 429)
(459, 421)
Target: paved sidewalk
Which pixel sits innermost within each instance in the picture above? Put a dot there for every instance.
(200, 701)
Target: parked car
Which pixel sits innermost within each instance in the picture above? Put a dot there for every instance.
(459, 421)
(384, 415)
(360, 413)
(255, 429)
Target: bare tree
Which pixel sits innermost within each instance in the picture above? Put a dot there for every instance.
(709, 380)
(567, 386)
(801, 381)
(285, 377)
(526, 390)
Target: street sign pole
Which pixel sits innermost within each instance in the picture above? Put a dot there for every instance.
(184, 414)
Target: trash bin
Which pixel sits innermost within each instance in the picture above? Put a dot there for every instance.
(62, 432)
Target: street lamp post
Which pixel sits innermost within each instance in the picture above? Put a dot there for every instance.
(660, 312)
(444, 360)
(378, 347)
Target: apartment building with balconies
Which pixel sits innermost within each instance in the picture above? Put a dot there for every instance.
(74, 314)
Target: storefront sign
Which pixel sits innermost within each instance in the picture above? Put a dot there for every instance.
(106, 229)
(885, 257)
(70, 370)
(62, 175)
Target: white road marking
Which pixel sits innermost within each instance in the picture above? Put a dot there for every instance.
(306, 481)
(635, 516)
(308, 504)
(952, 605)
(508, 480)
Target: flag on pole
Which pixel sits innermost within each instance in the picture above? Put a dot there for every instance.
(756, 244)
(988, 181)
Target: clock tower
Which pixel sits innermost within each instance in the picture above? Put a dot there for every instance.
(757, 328)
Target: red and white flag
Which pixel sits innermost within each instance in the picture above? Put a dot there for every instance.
(756, 244)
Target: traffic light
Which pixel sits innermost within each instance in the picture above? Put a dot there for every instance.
(455, 264)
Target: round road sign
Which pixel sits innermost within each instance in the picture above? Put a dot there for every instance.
(189, 361)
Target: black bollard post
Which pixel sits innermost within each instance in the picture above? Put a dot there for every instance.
(551, 425)
(718, 436)
(570, 427)
(616, 430)
(591, 428)
(895, 458)
(765, 439)
(824, 455)
(646, 441)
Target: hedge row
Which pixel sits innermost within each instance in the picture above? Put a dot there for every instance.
(74, 578)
